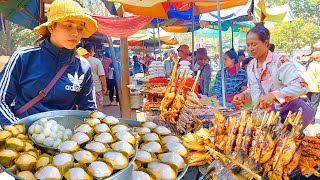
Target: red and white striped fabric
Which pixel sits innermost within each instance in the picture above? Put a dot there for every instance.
(121, 27)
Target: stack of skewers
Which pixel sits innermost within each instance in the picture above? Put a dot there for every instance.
(255, 146)
(175, 97)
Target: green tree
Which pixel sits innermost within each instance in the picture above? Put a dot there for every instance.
(295, 34)
(15, 36)
(303, 30)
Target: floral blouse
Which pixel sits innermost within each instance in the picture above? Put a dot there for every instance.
(278, 75)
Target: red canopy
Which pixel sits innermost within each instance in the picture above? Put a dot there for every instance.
(121, 27)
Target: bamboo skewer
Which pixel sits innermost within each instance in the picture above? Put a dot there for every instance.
(195, 82)
(222, 156)
(294, 127)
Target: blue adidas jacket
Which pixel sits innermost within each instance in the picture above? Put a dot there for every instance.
(29, 70)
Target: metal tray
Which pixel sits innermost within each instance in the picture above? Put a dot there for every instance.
(76, 117)
(71, 118)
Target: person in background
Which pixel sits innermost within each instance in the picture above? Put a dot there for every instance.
(30, 70)
(314, 85)
(138, 67)
(271, 47)
(106, 61)
(235, 78)
(277, 74)
(168, 63)
(184, 53)
(98, 76)
(246, 62)
(241, 58)
(147, 60)
(206, 70)
(112, 86)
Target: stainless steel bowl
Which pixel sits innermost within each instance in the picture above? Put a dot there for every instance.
(71, 118)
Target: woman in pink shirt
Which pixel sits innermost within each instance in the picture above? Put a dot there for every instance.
(277, 74)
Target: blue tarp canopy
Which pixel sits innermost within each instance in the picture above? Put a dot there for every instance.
(23, 12)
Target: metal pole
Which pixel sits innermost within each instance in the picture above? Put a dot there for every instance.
(220, 56)
(159, 39)
(116, 67)
(192, 48)
(154, 43)
(232, 27)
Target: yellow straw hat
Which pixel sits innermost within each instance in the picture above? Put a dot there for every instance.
(82, 51)
(63, 10)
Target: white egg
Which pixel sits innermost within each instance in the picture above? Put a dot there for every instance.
(60, 134)
(48, 141)
(34, 136)
(37, 129)
(60, 128)
(46, 132)
(53, 122)
(31, 129)
(65, 137)
(68, 132)
(56, 143)
(42, 120)
(53, 135)
(54, 128)
(47, 124)
(40, 138)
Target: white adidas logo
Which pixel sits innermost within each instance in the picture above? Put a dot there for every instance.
(76, 80)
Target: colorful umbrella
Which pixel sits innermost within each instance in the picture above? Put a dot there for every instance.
(160, 8)
(27, 13)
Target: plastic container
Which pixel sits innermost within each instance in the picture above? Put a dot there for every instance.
(135, 100)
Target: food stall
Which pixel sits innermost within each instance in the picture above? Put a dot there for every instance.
(90, 145)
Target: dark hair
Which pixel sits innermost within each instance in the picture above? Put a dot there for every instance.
(232, 55)
(88, 47)
(241, 53)
(271, 47)
(107, 54)
(262, 32)
(135, 57)
(245, 62)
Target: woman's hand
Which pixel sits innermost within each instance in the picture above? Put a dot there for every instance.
(238, 101)
(265, 101)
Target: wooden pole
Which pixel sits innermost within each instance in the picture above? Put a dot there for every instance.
(125, 102)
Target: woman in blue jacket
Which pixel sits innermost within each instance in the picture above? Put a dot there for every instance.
(29, 70)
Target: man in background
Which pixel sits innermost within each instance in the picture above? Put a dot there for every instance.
(98, 76)
(313, 71)
(241, 58)
(271, 47)
(106, 61)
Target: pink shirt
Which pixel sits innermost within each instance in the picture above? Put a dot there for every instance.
(105, 63)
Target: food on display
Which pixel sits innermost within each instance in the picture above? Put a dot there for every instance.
(161, 154)
(147, 106)
(100, 169)
(77, 173)
(117, 159)
(123, 146)
(48, 133)
(104, 138)
(162, 171)
(63, 159)
(184, 66)
(98, 148)
(137, 175)
(84, 156)
(80, 138)
(156, 69)
(49, 172)
(252, 147)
